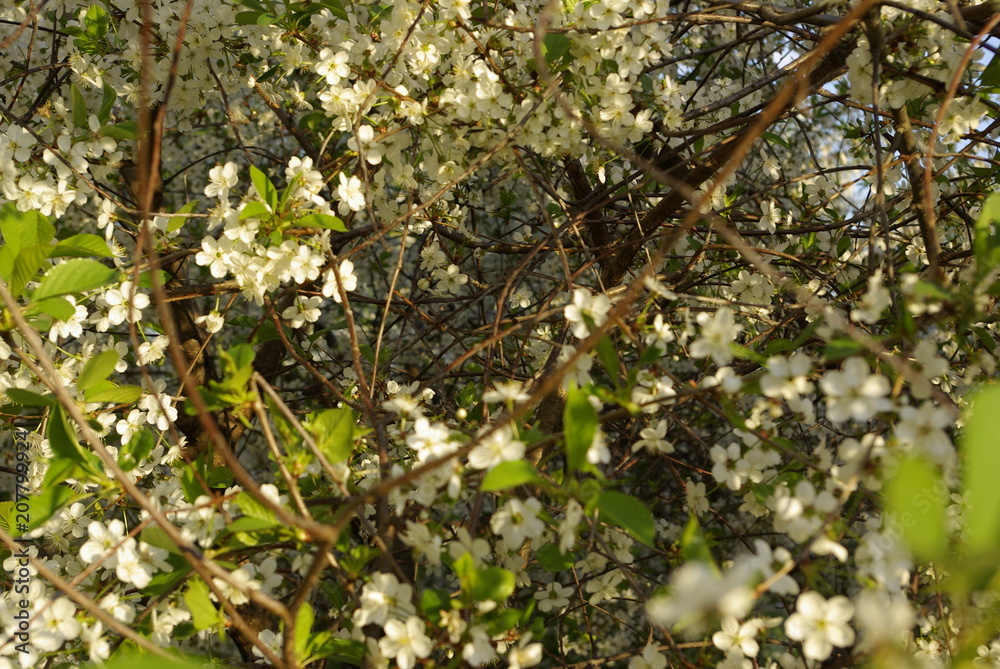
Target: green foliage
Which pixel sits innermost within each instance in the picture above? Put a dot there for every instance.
(981, 462)
(333, 430)
(481, 584)
(916, 497)
(624, 511)
(579, 428)
(508, 475)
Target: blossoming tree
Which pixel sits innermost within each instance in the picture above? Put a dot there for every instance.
(554, 333)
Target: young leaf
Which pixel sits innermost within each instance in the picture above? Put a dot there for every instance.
(985, 235)
(97, 369)
(624, 511)
(255, 209)
(175, 223)
(334, 433)
(82, 246)
(254, 509)
(22, 229)
(108, 393)
(79, 106)
(579, 428)
(324, 221)
(265, 189)
(694, 546)
(509, 475)
(609, 359)
(108, 99)
(26, 266)
(127, 130)
(493, 584)
(74, 276)
(46, 504)
(550, 558)
(555, 46)
(304, 620)
(981, 462)
(27, 398)
(137, 449)
(204, 615)
(917, 499)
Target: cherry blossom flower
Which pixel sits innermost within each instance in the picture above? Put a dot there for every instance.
(56, 625)
(718, 331)
(855, 393)
(651, 658)
(517, 521)
(586, 311)
(222, 179)
(820, 624)
(496, 447)
(351, 193)
(406, 642)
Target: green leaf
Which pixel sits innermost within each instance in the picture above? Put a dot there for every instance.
(336, 8)
(220, 477)
(552, 559)
(433, 601)
(109, 393)
(778, 346)
(917, 499)
(60, 470)
(47, 504)
(509, 475)
(579, 428)
(74, 276)
(247, 18)
(624, 511)
(255, 209)
(175, 223)
(62, 437)
(193, 479)
(333, 430)
(57, 307)
(991, 73)
(265, 189)
(204, 615)
(27, 398)
(137, 449)
(127, 130)
(694, 546)
(97, 369)
(555, 46)
(775, 139)
(608, 354)
(22, 229)
(254, 509)
(131, 658)
(324, 221)
(249, 524)
(838, 349)
(304, 619)
(154, 535)
(492, 583)
(26, 266)
(79, 106)
(981, 462)
(167, 581)
(108, 100)
(986, 235)
(82, 246)
(96, 23)
(744, 353)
